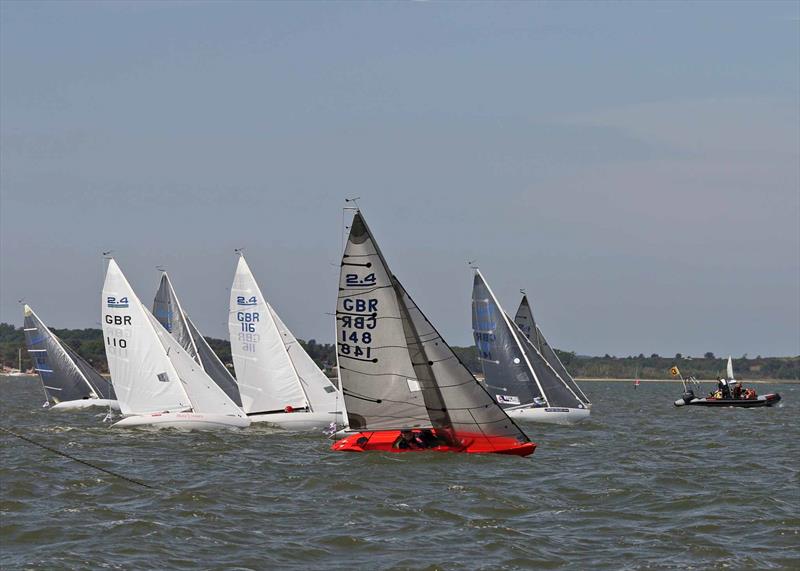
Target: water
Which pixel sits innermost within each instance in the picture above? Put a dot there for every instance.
(643, 485)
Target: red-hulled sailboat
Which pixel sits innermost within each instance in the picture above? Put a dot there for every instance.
(404, 388)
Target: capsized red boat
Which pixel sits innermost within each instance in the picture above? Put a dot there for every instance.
(404, 388)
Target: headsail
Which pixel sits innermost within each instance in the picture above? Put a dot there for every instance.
(396, 371)
(526, 323)
(65, 375)
(204, 394)
(508, 373)
(143, 376)
(268, 381)
(169, 312)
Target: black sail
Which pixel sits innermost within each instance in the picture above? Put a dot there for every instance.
(507, 373)
(64, 374)
(527, 324)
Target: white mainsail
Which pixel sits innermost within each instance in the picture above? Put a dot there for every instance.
(730, 369)
(143, 376)
(265, 360)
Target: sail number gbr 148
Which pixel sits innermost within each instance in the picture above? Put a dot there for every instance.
(358, 319)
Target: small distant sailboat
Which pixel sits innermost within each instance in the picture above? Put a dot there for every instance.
(69, 382)
(156, 380)
(278, 382)
(524, 382)
(636, 383)
(18, 372)
(169, 312)
(404, 388)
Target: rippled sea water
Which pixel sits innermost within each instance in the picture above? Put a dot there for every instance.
(642, 485)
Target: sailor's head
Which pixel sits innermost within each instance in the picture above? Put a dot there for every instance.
(406, 434)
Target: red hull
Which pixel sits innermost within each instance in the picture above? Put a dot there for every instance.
(386, 441)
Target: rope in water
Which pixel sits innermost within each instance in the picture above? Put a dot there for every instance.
(84, 462)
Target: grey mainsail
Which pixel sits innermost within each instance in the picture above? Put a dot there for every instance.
(507, 373)
(527, 324)
(396, 371)
(168, 311)
(65, 375)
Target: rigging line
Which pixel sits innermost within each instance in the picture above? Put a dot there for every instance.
(84, 462)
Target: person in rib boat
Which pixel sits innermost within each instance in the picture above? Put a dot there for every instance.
(157, 382)
(404, 389)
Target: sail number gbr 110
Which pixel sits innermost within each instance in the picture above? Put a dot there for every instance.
(358, 319)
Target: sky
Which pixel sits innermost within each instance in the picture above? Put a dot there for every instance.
(634, 166)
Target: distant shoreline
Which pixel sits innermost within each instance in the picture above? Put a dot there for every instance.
(745, 381)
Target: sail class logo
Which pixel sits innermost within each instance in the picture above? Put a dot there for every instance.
(242, 300)
(112, 301)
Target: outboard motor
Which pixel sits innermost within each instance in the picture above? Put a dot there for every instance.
(688, 396)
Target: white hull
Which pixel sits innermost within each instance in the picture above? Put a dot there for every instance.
(85, 403)
(185, 420)
(299, 421)
(549, 415)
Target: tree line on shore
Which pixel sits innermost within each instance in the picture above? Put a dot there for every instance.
(89, 344)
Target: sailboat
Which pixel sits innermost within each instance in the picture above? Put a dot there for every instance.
(522, 379)
(69, 382)
(169, 312)
(18, 372)
(404, 388)
(156, 380)
(278, 382)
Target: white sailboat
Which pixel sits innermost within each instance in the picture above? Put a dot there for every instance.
(278, 382)
(521, 378)
(68, 381)
(156, 381)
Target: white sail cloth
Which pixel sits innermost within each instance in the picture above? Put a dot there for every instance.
(272, 369)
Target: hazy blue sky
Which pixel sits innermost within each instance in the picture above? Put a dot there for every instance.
(635, 166)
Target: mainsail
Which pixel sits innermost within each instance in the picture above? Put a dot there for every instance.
(272, 369)
(395, 369)
(144, 377)
(65, 375)
(730, 369)
(507, 371)
(526, 323)
(169, 312)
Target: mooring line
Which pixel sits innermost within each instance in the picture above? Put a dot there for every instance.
(84, 462)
